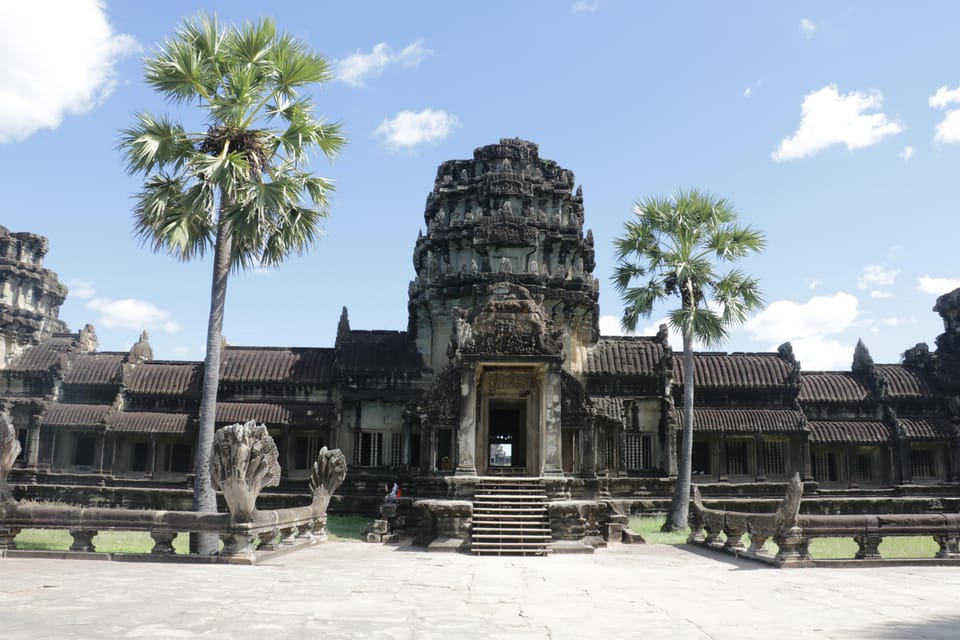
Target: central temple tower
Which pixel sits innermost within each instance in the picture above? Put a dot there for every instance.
(503, 307)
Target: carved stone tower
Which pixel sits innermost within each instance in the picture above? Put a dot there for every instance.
(507, 215)
(30, 296)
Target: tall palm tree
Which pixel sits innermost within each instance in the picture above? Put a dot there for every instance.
(239, 188)
(673, 247)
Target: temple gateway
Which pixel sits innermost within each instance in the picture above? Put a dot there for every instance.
(501, 373)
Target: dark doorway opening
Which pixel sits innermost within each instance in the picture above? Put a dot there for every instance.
(700, 459)
(507, 450)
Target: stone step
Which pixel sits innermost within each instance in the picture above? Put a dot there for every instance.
(511, 530)
(526, 537)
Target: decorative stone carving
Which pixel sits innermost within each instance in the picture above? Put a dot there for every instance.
(578, 268)
(328, 473)
(442, 217)
(509, 322)
(88, 339)
(533, 267)
(506, 265)
(244, 461)
(141, 351)
(506, 209)
(9, 450)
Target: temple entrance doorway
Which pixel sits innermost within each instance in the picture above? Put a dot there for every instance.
(506, 442)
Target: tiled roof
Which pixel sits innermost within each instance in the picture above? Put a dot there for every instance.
(258, 411)
(848, 431)
(75, 415)
(149, 422)
(377, 351)
(166, 378)
(829, 386)
(624, 356)
(44, 356)
(269, 364)
(926, 428)
(743, 420)
(735, 370)
(95, 369)
(905, 382)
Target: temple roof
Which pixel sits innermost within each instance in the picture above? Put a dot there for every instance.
(624, 355)
(906, 382)
(736, 370)
(44, 356)
(274, 413)
(926, 428)
(62, 414)
(150, 422)
(831, 386)
(848, 431)
(166, 378)
(95, 369)
(744, 420)
(276, 364)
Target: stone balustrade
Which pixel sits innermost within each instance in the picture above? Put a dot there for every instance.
(245, 462)
(792, 532)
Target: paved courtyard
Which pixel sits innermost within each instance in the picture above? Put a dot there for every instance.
(355, 590)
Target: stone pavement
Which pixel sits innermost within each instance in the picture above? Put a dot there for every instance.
(355, 590)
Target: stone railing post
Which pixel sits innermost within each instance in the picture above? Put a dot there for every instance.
(868, 542)
(794, 548)
(83, 540)
(329, 472)
(163, 541)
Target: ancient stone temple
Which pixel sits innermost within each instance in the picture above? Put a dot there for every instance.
(501, 373)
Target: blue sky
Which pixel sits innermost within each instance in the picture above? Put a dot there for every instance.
(834, 126)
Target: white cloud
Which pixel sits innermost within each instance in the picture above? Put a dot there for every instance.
(411, 128)
(60, 60)
(828, 118)
(874, 275)
(907, 153)
(808, 27)
(747, 92)
(788, 320)
(813, 283)
(880, 294)
(948, 129)
(822, 354)
(937, 286)
(357, 68)
(610, 326)
(132, 314)
(944, 97)
(585, 6)
(81, 289)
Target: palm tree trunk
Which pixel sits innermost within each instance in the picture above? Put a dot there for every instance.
(680, 505)
(204, 496)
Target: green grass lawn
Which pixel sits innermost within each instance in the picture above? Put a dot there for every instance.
(340, 528)
(820, 548)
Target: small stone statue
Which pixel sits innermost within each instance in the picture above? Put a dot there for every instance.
(559, 270)
(542, 216)
(442, 217)
(506, 265)
(506, 208)
(578, 268)
(507, 167)
(533, 267)
(464, 176)
(141, 351)
(528, 211)
(474, 269)
(545, 270)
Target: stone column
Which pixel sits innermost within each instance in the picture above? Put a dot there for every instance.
(33, 442)
(851, 455)
(760, 453)
(805, 465)
(552, 460)
(722, 458)
(151, 457)
(286, 451)
(405, 443)
(906, 462)
(954, 459)
(589, 464)
(467, 430)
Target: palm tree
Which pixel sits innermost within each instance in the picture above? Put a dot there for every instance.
(239, 188)
(673, 247)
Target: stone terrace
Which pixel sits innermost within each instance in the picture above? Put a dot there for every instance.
(344, 590)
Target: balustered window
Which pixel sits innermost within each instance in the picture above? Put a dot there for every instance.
(638, 452)
(305, 450)
(775, 457)
(739, 458)
(367, 448)
(865, 464)
(826, 465)
(923, 462)
(396, 449)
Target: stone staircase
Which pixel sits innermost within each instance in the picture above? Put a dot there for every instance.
(510, 517)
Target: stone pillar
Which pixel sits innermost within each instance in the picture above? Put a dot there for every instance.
(552, 460)
(805, 455)
(851, 455)
(589, 464)
(670, 452)
(33, 443)
(906, 463)
(722, 458)
(467, 431)
(151, 457)
(954, 459)
(760, 453)
(286, 451)
(405, 443)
